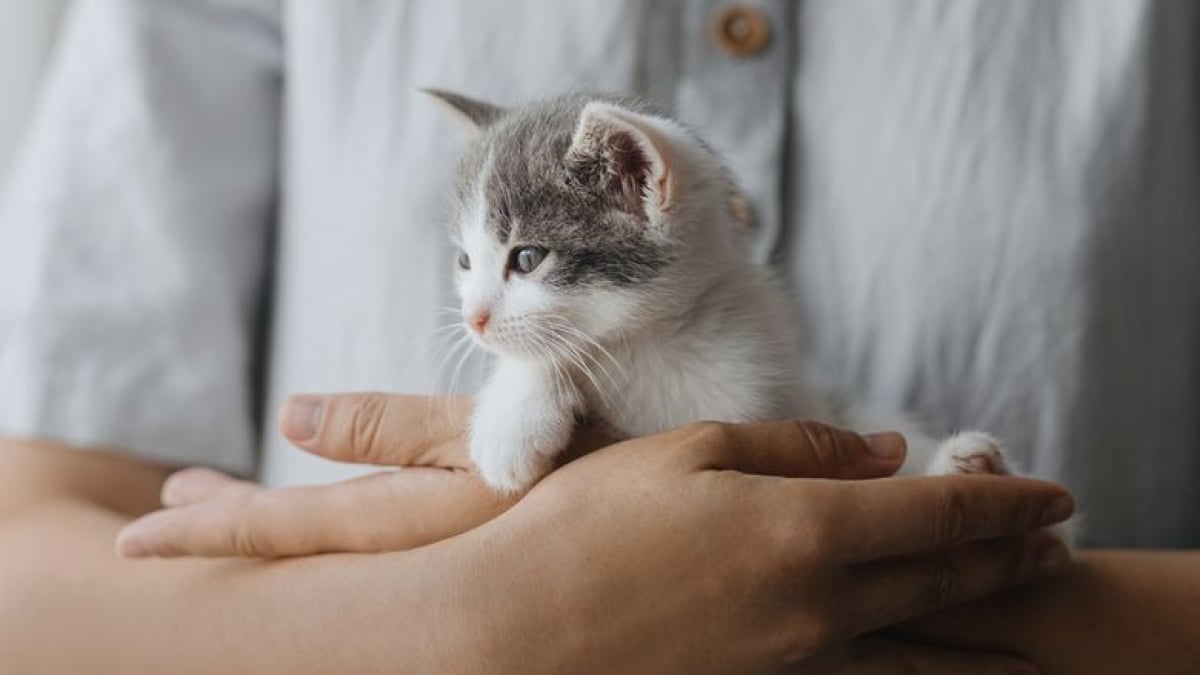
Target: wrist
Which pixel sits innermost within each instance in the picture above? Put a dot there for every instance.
(392, 612)
(500, 611)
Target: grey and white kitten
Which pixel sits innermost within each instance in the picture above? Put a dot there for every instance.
(601, 260)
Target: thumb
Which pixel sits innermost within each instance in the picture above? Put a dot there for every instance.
(383, 429)
(803, 449)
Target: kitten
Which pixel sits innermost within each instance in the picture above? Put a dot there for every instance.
(601, 259)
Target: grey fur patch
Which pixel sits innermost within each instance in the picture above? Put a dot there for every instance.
(535, 194)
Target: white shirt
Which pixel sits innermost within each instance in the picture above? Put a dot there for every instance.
(988, 211)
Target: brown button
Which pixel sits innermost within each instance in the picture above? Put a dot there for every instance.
(742, 30)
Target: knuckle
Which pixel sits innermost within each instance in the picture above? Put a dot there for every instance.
(241, 537)
(945, 581)
(950, 516)
(710, 431)
(812, 543)
(823, 446)
(709, 435)
(787, 553)
(243, 542)
(365, 425)
(799, 543)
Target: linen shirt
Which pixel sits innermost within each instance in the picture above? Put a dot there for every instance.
(987, 212)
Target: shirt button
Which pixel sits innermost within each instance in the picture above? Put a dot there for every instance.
(742, 30)
(742, 211)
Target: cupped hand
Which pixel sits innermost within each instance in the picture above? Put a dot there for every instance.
(712, 548)
(736, 527)
(435, 496)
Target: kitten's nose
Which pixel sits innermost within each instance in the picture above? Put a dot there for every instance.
(480, 321)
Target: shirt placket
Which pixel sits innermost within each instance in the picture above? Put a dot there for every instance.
(734, 86)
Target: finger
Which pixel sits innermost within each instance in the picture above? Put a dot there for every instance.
(385, 429)
(881, 656)
(887, 592)
(383, 512)
(917, 514)
(798, 449)
(195, 484)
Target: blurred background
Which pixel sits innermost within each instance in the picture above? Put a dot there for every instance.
(27, 30)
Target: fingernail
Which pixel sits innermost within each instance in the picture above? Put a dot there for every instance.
(1059, 509)
(129, 545)
(888, 445)
(301, 418)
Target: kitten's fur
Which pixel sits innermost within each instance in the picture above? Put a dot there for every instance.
(647, 311)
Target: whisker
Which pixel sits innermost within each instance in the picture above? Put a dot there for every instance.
(442, 330)
(534, 340)
(564, 324)
(450, 350)
(462, 348)
(571, 352)
(466, 354)
(593, 342)
(562, 380)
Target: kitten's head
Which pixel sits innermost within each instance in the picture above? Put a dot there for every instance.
(583, 218)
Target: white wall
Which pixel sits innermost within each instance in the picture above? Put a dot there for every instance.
(27, 29)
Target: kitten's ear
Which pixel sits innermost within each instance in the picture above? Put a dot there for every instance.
(627, 154)
(478, 114)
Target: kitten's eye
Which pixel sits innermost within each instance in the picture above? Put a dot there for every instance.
(527, 258)
(464, 260)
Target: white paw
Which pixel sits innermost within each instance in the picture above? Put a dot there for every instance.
(979, 453)
(512, 454)
(969, 452)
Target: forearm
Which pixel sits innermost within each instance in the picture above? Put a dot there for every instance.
(67, 604)
(1117, 612)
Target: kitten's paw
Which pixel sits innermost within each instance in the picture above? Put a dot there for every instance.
(969, 452)
(974, 452)
(505, 469)
(511, 458)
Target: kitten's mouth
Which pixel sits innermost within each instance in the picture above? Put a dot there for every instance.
(504, 341)
(488, 339)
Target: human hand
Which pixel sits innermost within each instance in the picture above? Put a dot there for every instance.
(436, 496)
(426, 610)
(726, 457)
(709, 549)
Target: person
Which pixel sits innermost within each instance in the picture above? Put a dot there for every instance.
(985, 211)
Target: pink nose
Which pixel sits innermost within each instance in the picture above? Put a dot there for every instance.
(480, 321)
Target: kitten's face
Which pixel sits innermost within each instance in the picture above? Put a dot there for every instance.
(516, 301)
(546, 276)
(564, 226)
